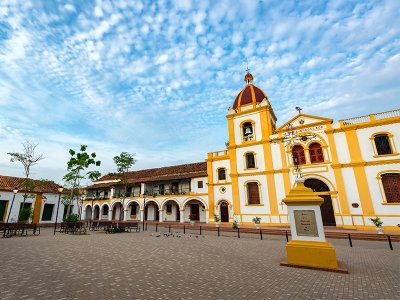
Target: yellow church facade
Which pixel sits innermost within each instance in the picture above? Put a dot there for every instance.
(353, 164)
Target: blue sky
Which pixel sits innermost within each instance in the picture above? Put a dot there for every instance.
(156, 78)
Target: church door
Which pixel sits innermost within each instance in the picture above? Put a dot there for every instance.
(224, 212)
(327, 212)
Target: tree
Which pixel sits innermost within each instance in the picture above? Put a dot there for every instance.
(124, 162)
(27, 158)
(77, 166)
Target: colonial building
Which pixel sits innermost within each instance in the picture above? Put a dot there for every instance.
(352, 164)
(42, 198)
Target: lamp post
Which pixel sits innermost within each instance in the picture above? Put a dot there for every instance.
(60, 190)
(144, 207)
(15, 191)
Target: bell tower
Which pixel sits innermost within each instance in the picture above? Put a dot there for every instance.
(251, 122)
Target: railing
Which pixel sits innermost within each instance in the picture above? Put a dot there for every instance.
(388, 114)
(372, 117)
(172, 191)
(219, 153)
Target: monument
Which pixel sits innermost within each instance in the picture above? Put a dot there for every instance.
(308, 247)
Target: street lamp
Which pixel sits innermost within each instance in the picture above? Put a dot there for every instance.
(60, 190)
(15, 191)
(144, 207)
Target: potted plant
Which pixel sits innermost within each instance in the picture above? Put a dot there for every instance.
(378, 224)
(235, 224)
(216, 219)
(25, 214)
(257, 221)
(192, 218)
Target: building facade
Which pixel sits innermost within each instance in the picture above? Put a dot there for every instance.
(42, 198)
(352, 164)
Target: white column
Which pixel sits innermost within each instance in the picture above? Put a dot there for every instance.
(112, 192)
(182, 216)
(160, 213)
(191, 184)
(141, 215)
(142, 188)
(110, 214)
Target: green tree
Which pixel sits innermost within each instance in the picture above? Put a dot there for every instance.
(77, 167)
(28, 158)
(124, 162)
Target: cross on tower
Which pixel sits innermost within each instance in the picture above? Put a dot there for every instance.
(299, 109)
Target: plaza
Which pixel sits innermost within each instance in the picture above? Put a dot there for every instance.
(145, 266)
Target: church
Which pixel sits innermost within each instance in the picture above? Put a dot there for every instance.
(353, 164)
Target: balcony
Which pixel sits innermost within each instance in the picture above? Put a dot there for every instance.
(171, 191)
(370, 118)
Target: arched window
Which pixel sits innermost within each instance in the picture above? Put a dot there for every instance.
(382, 144)
(298, 154)
(316, 154)
(248, 134)
(105, 210)
(250, 160)
(221, 174)
(133, 208)
(391, 186)
(253, 193)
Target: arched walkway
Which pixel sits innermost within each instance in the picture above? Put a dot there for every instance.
(133, 211)
(151, 211)
(196, 209)
(88, 212)
(96, 214)
(171, 211)
(104, 211)
(322, 189)
(117, 212)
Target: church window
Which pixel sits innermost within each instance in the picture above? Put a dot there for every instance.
(298, 155)
(253, 193)
(248, 134)
(391, 186)
(316, 154)
(250, 160)
(221, 174)
(382, 144)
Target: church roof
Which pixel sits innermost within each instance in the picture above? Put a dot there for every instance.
(249, 94)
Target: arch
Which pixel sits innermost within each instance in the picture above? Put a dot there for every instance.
(185, 202)
(318, 139)
(171, 210)
(117, 211)
(320, 187)
(128, 203)
(329, 183)
(96, 211)
(88, 212)
(316, 153)
(133, 214)
(224, 200)
(104, 210)
(196, 208)
(151, 210)
(115, 203)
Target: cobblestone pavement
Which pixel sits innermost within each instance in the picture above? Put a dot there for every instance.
(143, 266)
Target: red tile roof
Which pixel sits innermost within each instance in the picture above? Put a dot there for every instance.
(8, 183)
(185, 171)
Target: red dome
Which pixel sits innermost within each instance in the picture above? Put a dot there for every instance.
(250, 94)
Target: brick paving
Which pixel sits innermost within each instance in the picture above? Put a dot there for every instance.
(143, 266)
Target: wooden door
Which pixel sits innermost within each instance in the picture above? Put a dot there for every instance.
(327, 213)
(195, 211)
(224, 212)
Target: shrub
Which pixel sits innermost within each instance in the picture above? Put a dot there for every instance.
(72, 218)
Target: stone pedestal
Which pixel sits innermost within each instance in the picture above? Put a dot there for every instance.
(308, 247)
